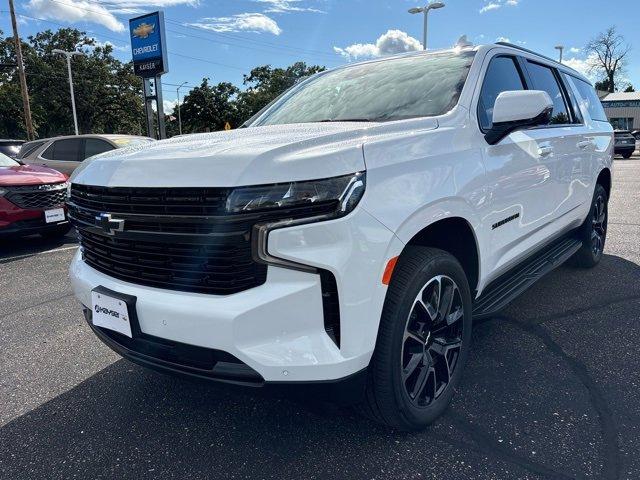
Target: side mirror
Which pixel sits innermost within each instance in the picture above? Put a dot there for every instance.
(518, 109)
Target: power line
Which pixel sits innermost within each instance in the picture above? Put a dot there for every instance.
(261, 43)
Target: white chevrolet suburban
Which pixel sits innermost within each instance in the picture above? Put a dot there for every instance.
(346, 236)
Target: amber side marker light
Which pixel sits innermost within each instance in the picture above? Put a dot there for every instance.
(388, 270)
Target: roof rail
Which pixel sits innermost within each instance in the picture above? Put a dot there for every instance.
(518, 47)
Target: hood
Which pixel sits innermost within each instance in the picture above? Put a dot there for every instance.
(29, 175)
(247, 156)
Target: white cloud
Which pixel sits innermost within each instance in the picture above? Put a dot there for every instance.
(392, 42)
(247, 22)
(101, 12)
(503, 39)
(496, 4)
(75, 11)
(168, 106)
(583, 65)
(575, 50)
(287, 6)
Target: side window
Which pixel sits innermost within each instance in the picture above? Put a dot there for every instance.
(67, 150)
(543, 78)
(48, 153)
(575, 108)
(502, 75)
(94, 146)
(589, 100)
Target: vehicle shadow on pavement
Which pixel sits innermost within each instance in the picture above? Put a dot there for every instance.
(33, 244)
(533, 404)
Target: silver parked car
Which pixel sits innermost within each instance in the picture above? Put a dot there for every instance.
(65, 153)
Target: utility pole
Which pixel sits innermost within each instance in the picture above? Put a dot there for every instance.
(23, 80)
(560, 48)
(68, 55)
(178, 106)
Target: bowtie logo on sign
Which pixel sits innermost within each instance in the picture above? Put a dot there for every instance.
(143, 30)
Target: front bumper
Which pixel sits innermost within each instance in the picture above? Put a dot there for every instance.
(277, 329)
(18, 221)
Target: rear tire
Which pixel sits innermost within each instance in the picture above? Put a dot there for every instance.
(627, 156)
(593, 231)
(423, 341)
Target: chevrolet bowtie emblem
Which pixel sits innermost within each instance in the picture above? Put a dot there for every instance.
(109, 224)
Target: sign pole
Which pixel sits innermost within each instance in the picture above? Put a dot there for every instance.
(148, 110)
(162, 133)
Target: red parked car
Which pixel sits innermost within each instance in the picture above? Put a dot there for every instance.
(31, 200)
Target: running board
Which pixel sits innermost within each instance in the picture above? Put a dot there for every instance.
(506, 288)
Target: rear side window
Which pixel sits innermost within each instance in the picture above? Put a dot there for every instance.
(94, 146)
(589, 100)
(502, 75)
(29, 148)
(65, 150)
(543, 78)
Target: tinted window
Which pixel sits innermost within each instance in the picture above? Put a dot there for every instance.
(589, 100)
(29, 148)
(67, 150)
(543, 78)
(10, 150)
(417, 86)
(502, 75)
(49, 152)
(94, 146)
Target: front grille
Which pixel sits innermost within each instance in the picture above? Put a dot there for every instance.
(37, 197)
(174, 238)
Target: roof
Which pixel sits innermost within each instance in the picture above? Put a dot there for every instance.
(622, 97)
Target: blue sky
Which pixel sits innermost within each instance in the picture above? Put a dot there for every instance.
(222, 39)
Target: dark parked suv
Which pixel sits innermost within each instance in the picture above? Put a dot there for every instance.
(625, 143)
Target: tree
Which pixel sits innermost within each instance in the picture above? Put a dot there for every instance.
(266, 83)
(629, 89)
(208, 107)
(610, 52)
(108, 95)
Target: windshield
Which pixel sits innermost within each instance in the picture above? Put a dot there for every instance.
(130, 141)
(7, 162)
(393, 89)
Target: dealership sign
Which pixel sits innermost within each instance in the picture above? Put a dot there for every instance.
(621, 103)
(148, 45)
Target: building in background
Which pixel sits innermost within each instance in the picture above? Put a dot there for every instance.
(623, 110)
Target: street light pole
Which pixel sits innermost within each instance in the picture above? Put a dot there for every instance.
(178, 106)
(561, 48)
(68, 56)
(425, 11)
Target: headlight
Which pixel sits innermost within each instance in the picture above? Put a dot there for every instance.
(345, 192)
(339, 194)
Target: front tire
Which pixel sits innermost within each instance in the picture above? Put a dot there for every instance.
(423, 341)
(593, 231)
(627, 155)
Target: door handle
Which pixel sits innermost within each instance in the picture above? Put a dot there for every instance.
(584, 144)
(545, 151)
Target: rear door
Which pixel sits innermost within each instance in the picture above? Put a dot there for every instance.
(63, 155)
(564, 144)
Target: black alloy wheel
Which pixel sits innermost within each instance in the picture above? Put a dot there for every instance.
(432, 340)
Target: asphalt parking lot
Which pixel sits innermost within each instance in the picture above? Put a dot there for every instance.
(552, 390)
